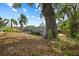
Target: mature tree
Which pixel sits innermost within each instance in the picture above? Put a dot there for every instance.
(22, 20)
(48, 12)
(72, 12)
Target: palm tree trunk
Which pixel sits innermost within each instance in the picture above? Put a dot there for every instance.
(11, 24)
(21, 26)
(48, 12)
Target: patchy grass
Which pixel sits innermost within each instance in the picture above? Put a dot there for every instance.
(22, 44)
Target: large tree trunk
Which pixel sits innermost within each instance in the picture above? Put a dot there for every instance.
(48, 12)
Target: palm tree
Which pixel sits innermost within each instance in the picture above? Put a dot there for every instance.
(22, 20)
(48, 12)
(12, 21)
(0, 21)
(3, 22)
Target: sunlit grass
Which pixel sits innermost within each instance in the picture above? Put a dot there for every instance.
(27, 44)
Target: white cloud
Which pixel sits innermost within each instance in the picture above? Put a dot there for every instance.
(27, 16)
(38, 18)
(10, 5)
(37, 4)
(25, 10)
(39, 12)
(36, 10)
(39, 8)
(33, 16)
(15, 10)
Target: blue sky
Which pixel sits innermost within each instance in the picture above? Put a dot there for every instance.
(32, 13)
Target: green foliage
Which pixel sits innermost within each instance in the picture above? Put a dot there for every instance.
(14, 21)
(3, 22)
(65, 27)
(35, 33)
(9, 29)
(22, 20)
(72, 13)
(73, 26)
(31, 27)
(17, 5)
(49, 34)
(68, 53)
(35, 54)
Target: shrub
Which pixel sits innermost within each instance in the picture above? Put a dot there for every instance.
(68, 53)
(9, 29)
(35, 54)
(35, 33)
(49, 34)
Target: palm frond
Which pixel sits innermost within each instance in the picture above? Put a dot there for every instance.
(17, 5)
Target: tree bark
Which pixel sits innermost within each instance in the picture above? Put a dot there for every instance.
(49, 14)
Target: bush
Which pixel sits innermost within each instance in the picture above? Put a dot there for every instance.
(68, 53)
(9, 29)
(65, 27)
(49, 34)
(35, 33)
